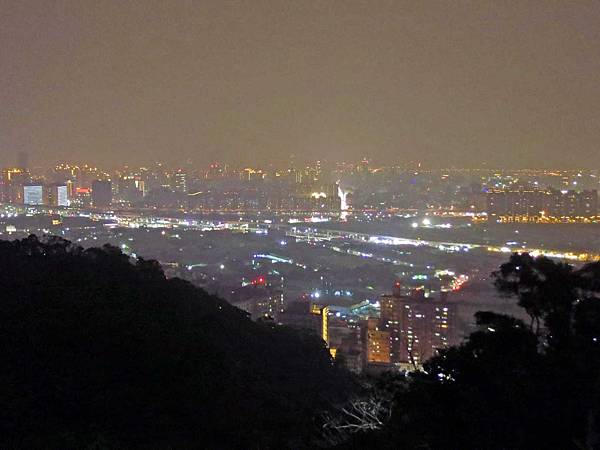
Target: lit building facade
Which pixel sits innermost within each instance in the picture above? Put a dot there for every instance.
(376, 344)
(418, 327)
(259, 300)
(180, 182)
(308, 316)
(58, 195)
(542, 205)
(33, 194)
(12, 182)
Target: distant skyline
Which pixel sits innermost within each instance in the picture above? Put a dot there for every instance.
(446, 83)
(285, 164)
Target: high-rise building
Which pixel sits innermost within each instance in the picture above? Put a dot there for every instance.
(308, 316)
(376, 344)
(318, 197)
(323, 313)
(260, 300)
(101, 193)
(132, 186)
(12, 182)
(58, 195)
(391, 320)
(33, 194)
(180, 182)
(418, 326)
(538, 204)
(573, 204)
(519, 202)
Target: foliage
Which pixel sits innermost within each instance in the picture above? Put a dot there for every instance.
(98, 351)
(512, 385)
(368, 411)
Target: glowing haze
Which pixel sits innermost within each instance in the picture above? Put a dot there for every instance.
(447, 83)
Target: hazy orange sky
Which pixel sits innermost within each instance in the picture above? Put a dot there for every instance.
(448, 83)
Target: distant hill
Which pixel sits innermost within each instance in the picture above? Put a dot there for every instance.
(100, 352)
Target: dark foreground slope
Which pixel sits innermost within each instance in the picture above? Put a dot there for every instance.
(99, 352)
(510, 384)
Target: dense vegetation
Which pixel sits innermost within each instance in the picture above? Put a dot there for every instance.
(100, 352)
(511, 385)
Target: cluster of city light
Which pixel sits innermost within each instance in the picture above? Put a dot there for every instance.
(584, 256)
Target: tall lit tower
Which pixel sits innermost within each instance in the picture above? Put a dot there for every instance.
(343, 195)
(180, 181)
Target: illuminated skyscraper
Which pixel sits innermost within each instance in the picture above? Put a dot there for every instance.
(418, 326)
(58, 195)
(33, 194)
(180, 182)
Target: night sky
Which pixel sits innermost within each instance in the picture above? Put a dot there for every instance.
(450, 83)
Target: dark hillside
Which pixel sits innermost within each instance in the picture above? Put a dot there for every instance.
(99, 351)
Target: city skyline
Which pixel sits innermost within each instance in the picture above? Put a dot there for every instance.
(313, 224)
(456, 84)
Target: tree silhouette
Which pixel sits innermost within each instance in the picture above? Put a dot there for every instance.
(101, 351)
(512, 385)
